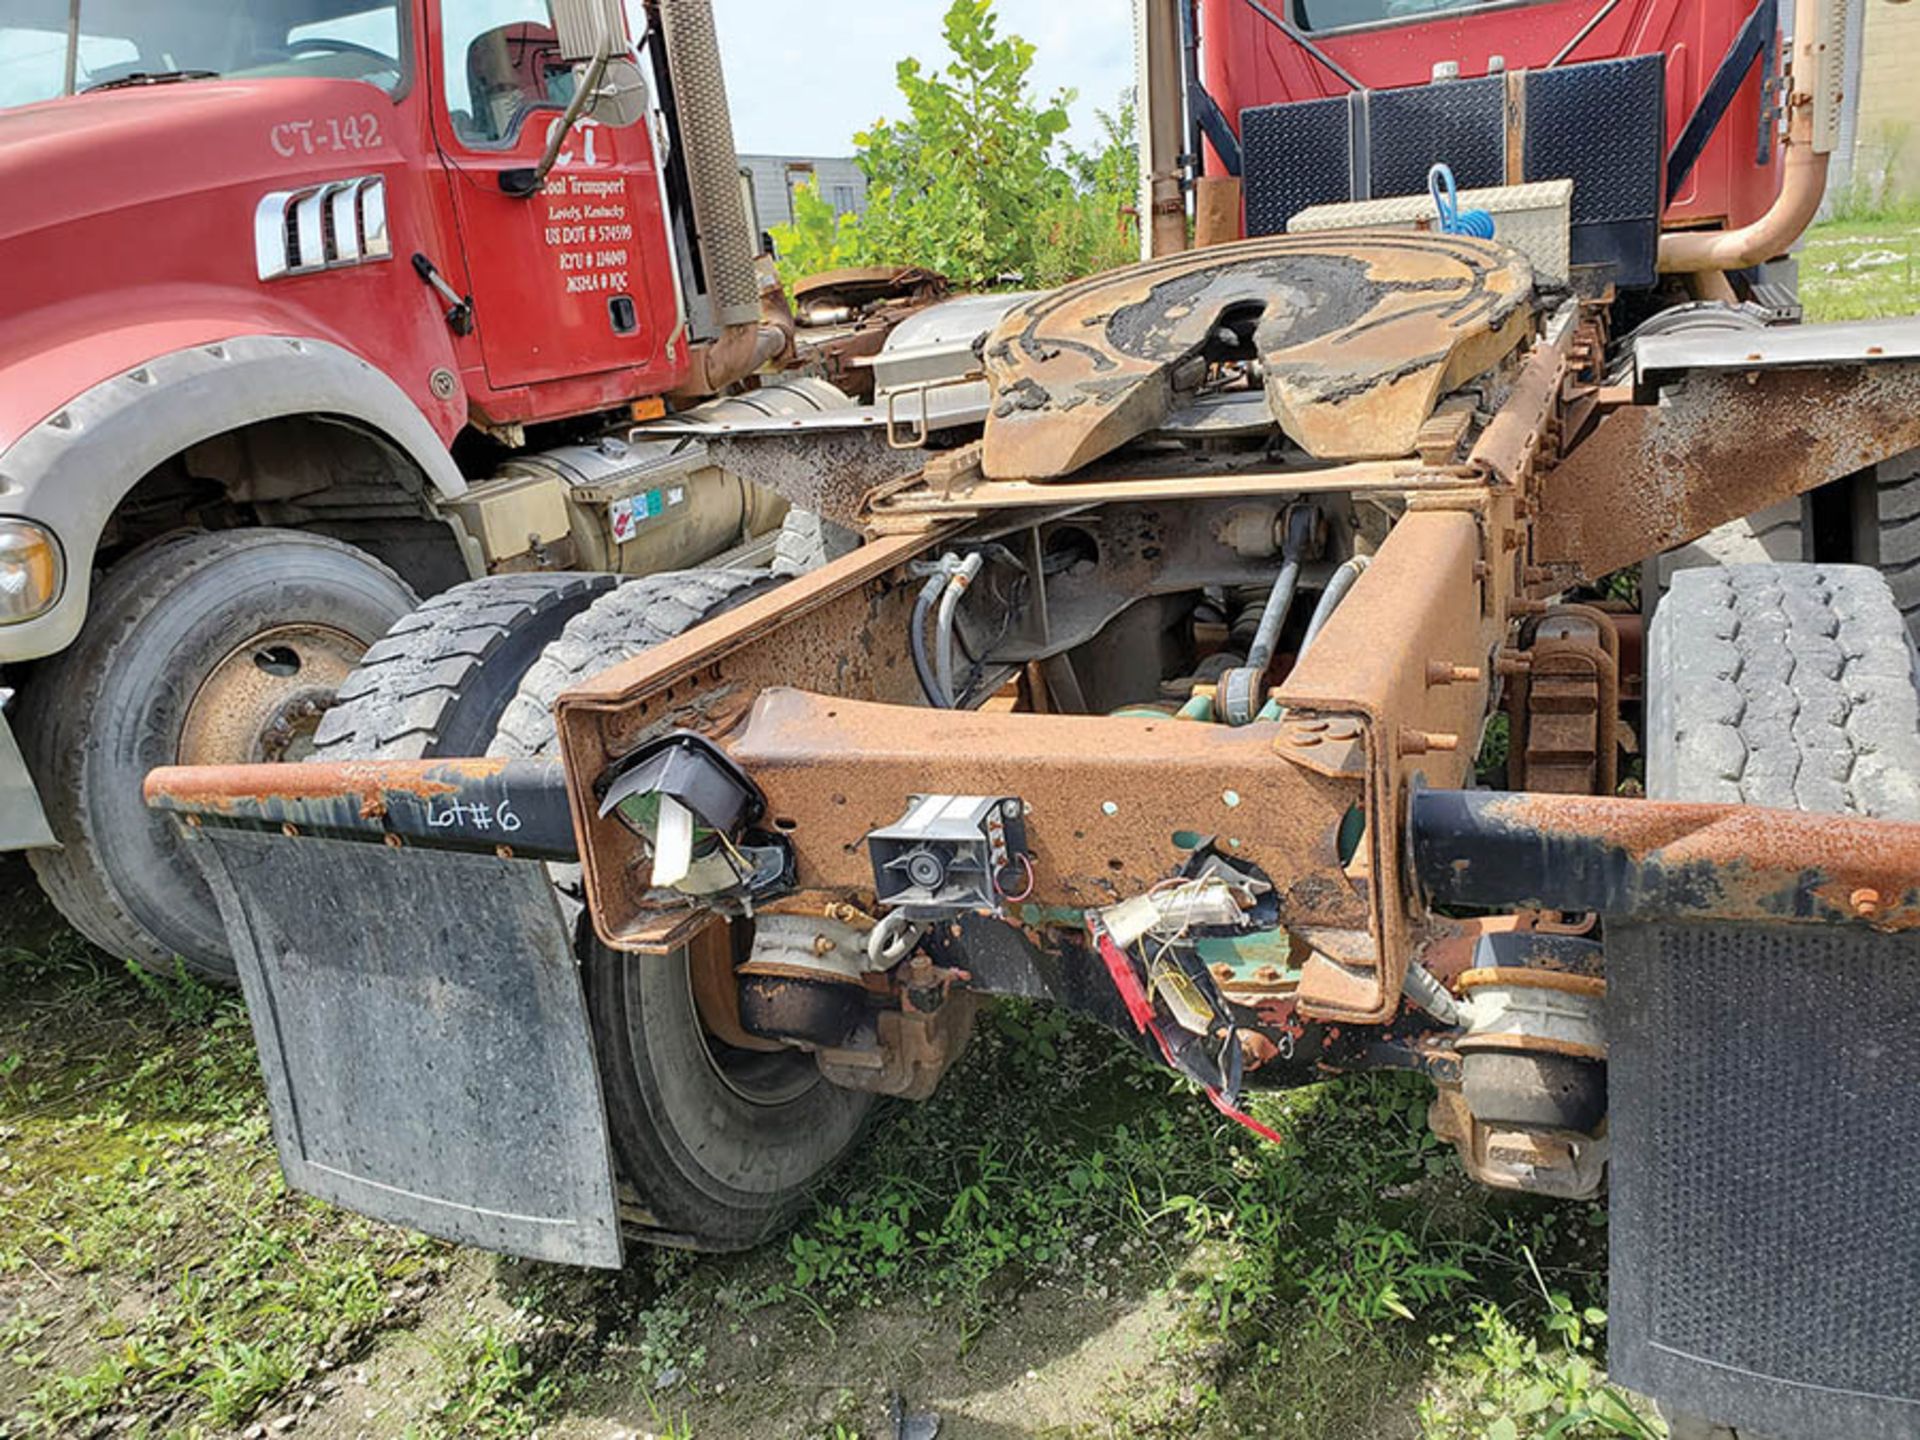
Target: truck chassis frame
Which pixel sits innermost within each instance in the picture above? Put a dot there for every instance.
(1386, 893)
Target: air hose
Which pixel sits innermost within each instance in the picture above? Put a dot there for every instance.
(917, 639)
(943, 625)
(1446, 202)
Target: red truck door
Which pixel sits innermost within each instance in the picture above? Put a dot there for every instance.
(575, 280)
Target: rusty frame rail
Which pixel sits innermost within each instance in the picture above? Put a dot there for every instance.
(1719, 445)
(511, 808)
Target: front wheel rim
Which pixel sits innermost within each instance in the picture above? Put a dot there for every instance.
(262, 701)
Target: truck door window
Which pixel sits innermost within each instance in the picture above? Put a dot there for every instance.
(502, 63)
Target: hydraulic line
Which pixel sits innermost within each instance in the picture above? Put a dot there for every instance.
(1330, 598)
(955, 592)
(1241, 689)
(1238, 686)
(917, 639)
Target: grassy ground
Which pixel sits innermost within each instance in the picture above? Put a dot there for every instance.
(1864, 263)
(1062, 1243)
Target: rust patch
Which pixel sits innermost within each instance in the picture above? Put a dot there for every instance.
(218, 788)
(1720, 445)
(1535, 979)
(1753, 857)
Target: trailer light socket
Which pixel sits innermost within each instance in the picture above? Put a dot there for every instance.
(951, 854)
(33, 571)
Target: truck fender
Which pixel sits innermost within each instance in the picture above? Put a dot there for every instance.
(73, 468)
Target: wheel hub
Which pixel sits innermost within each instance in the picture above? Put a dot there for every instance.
(262, 702)
(761, 1072)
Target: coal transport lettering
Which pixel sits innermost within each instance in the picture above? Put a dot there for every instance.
(589, 233)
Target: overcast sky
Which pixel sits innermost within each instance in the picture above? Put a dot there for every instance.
(804, 75)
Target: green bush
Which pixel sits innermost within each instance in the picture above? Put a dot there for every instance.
(969, 185)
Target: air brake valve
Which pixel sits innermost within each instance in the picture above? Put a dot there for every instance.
(952, 854)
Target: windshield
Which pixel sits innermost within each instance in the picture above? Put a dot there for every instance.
(1318, 15)
(59, 47)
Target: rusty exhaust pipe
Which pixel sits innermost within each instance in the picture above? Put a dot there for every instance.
(749, 310)
(1805, 185)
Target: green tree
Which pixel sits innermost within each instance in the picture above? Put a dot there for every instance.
(967, 185)
(1094, 226)
(818, 239)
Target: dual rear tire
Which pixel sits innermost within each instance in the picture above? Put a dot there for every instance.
(716, 1146)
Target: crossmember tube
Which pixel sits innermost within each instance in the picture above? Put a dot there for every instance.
(1654, 860)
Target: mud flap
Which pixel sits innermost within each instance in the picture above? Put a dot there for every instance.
(1765, 1089)
(424, 1037)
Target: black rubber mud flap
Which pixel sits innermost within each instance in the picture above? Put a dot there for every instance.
(424, 1037)
(1765, 1208)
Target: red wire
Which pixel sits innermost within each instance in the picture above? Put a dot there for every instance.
(1140, 1008)
(1016, 899)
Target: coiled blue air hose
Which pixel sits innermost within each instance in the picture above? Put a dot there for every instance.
(1454, 220)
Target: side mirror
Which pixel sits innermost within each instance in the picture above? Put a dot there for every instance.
(591, 34)
(588, 29)
(622, 97)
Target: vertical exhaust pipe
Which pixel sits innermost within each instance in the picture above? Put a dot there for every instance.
(1819, 43)
(1157, 58)
(752, 331)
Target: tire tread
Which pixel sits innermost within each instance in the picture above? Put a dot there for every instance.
(397, 704)
(1784, 685)
(620, 624)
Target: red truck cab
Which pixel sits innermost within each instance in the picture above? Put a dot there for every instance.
(1246, 61)
(218, 205)
(302, 300)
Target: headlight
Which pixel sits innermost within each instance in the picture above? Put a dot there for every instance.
(32, 571)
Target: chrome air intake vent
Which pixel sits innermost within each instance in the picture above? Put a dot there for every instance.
(323, 227)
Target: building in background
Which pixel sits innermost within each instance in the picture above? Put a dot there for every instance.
(1886, 145)
(1879, 153)
(774, 178)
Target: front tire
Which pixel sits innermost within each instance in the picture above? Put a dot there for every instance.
(210, 649)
